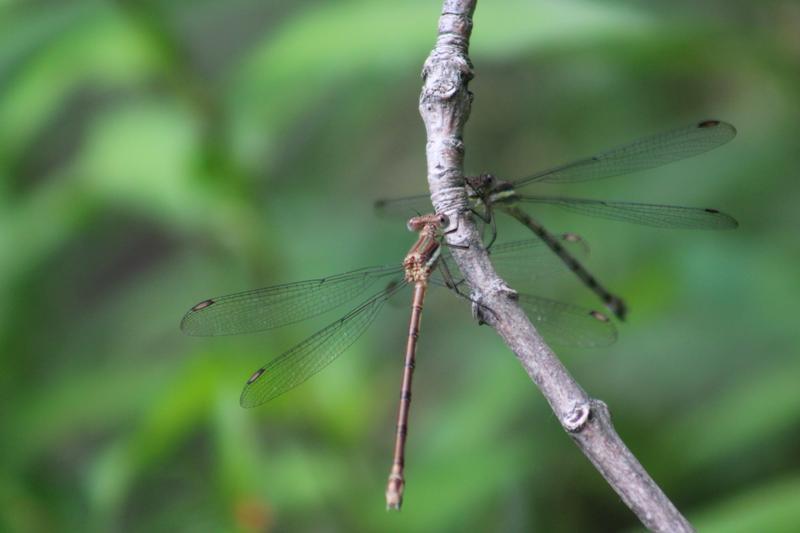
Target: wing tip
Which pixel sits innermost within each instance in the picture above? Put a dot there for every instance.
(726, 221)
(186, 321)
(246, 400)
(249, 398)
(186, 324)
(188, 327)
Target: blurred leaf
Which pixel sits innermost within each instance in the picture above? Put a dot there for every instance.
(34, 93)
(767, 507)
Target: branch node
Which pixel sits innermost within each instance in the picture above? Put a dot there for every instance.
(600, 409)
(576, 419)
(504, 290)
(478, 309)
(495, 287)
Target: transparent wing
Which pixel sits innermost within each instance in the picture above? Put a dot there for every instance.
(567, 324)
(532, 259)
(407, 207)
(660, 216)
(645, 153)
(523, 261)
(561, 323)
(313, 354)
(529, 260)
(273, 307)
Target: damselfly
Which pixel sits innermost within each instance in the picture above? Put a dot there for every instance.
(487, 192)
(273, 307)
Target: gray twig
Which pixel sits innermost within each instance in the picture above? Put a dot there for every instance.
(445, 105)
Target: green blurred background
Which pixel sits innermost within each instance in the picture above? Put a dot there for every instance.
(153, 154)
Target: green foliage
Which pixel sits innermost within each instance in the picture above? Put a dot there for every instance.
(153, 154)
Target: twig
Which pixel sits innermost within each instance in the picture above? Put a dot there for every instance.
(445, 105)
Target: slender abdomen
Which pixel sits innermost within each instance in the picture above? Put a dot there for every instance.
(615, 304)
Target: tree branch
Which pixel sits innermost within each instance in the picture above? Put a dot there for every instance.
(445, 105)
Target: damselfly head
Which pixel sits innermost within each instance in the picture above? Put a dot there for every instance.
(501, 186)
(417, 224)
(481, 184)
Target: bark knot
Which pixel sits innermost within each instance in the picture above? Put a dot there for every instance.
(576, 419)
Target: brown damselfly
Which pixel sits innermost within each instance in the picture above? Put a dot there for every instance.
(487, 193)
(280, 305)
